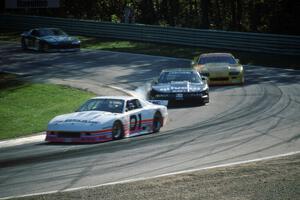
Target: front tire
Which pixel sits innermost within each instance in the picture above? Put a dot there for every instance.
(206, 100)
(242, 81)
(157, 122)
(117, 131)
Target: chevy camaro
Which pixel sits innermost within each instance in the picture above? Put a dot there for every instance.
(48, 39)
(178, 85)
(107, 118)
(220, 69)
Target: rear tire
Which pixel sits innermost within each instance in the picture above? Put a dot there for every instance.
(43, 47)
(23, 44)
(157, 122)
(117, 131)
(40, 47)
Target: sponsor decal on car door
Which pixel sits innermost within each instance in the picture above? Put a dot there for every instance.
(136, 117)
(135, 122)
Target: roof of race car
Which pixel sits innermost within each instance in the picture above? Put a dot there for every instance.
(45, 28)
(179, 70)
(215, 54)
(126, 98)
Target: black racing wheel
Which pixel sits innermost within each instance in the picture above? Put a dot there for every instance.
(157, 122)
(23, 44)
(117, 130)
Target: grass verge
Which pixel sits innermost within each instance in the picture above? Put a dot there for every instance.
(177, 51)
(269, 180)
(27, 107)
(181, 51)
(10, 36)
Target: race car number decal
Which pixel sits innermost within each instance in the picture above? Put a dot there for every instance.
(135, 122)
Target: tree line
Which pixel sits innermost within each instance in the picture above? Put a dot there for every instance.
(263, 16)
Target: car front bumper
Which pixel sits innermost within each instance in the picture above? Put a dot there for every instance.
(202, 96)
(61, 47)
(79, 137)
(235, 79)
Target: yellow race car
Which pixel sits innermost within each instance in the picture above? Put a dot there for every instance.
(220, 69)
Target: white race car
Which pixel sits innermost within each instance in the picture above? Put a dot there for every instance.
(107, 118)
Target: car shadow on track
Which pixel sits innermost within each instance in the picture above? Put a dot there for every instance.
(184, 105)
(72, 143)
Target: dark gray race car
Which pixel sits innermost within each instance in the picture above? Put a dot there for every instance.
(48, 39)
(180, 85)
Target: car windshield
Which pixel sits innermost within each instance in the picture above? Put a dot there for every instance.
(217, 59)
(189, 76)
(51, 32)
(107, 105)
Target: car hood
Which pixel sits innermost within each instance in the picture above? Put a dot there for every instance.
(58, 39)
(81, 121)
(181, 86)
(215, 67)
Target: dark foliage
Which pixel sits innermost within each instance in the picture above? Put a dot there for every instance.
(267, 16)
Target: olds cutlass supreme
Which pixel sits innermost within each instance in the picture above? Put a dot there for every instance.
(107, 118)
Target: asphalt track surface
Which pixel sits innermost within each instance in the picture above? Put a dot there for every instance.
(256, 120)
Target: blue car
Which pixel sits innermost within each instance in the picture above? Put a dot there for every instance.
(178, 85)
(48, 39)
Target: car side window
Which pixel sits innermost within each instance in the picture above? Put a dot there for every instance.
(200, 61)
(133, 104)
(129, 105)
(138, 103)
(35, 33)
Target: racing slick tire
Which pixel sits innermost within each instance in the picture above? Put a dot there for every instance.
(157, 122)
(243, 81)
(117, 130)
(203, 102)
(43, 47)
(206, 100)
(23, 44)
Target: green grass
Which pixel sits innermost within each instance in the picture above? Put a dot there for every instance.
(27, 107)
(138, 47)
(181, 51)
(10, 36)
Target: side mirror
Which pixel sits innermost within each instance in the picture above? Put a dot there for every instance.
(237, 60)
(204, 78)
(193, 62)
(155, 81)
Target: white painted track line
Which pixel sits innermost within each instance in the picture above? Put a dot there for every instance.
(24, 140)
(158, 176)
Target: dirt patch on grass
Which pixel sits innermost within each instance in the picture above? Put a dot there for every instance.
(272, 179)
